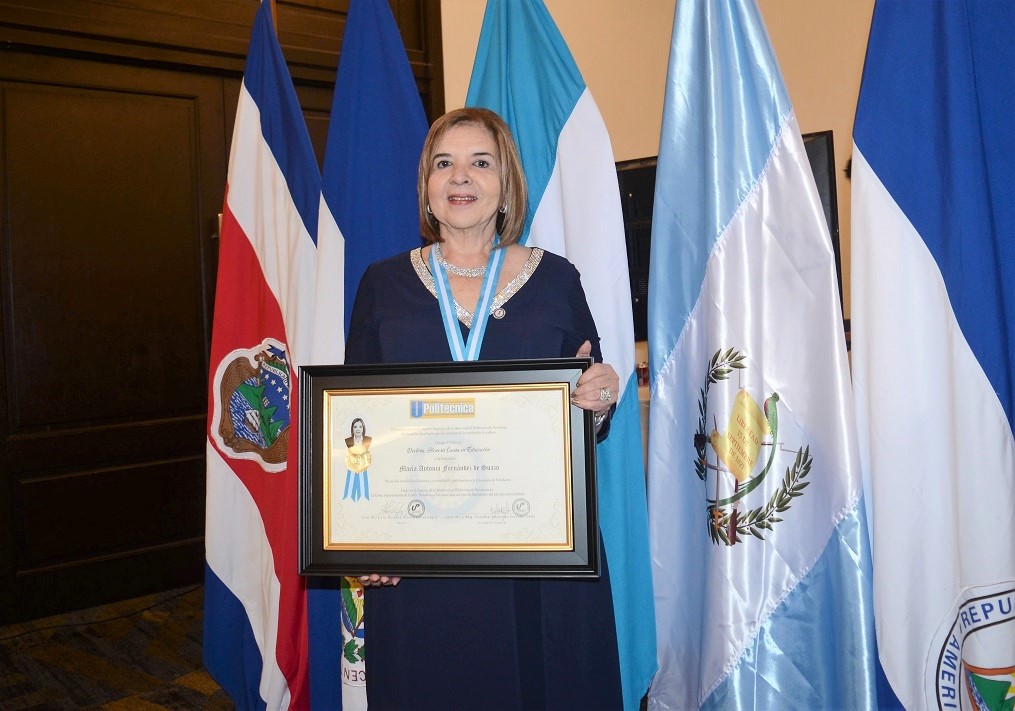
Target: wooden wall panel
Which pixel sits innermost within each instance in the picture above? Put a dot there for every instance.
(213, 36)
(105, 281)
(126, 509)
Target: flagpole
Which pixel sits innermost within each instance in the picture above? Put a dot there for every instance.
(274, 16)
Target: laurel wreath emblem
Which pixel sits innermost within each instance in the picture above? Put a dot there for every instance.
(762, 518)
(719, 368)
(354, 651)
(758, 520)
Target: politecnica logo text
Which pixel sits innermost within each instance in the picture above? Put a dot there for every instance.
(443, 408)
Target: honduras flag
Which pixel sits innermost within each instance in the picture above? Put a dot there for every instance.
(525, 72)
(369, 185)
(255, 630)
(759, 542)
(933, 248)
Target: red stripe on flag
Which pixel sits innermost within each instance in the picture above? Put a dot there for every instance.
(246, 313)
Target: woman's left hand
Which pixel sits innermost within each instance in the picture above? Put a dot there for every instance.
(598, 386)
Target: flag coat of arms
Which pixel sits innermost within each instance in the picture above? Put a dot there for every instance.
(759, 543)
(933, 331)
(525, 72)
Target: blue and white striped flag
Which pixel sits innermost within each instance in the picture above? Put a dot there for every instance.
(760, 550)
(525, 72)
(375, 136)
(933, 246)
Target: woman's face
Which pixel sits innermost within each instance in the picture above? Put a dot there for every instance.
(357, 428)
(464, 189)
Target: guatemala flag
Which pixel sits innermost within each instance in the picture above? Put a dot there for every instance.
(374, 141)
(933, 329)
(255, 629)
(759, 541)
(524, 72)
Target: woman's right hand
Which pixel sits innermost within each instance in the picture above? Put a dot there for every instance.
(375, 581)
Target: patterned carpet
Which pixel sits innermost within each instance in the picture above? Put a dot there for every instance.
(142, 654)
(136, 655)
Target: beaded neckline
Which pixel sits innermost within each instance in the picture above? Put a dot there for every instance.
(465, 316)
(470, 272)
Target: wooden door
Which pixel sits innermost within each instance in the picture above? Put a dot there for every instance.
(111, 178)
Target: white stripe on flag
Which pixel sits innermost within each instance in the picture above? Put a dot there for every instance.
(283, 246)
(238, 552)
(589, 238)
(580, 217)
(935, 424)
(328, 339)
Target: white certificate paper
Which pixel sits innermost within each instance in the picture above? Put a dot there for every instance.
(448, 469)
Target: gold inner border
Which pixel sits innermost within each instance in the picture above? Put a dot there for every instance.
(563, 388)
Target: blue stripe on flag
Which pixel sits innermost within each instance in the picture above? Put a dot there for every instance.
(801, 625)
(536, 102)
(374, 142)
(282, 123)
(949, 90)
(230, 650)
(324, 636)
(623, 519)
(703, 207)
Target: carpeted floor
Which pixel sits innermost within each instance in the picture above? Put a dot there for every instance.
(142, 654)
(137, 655)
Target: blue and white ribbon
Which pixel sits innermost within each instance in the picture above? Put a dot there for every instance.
(469, 350)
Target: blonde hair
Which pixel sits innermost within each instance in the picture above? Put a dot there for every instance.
(514, 193)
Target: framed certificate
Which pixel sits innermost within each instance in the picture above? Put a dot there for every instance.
(469, 469)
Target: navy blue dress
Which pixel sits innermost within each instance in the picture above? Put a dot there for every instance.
(484, 644)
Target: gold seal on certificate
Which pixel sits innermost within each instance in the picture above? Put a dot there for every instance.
(452, 469)
(357, 459)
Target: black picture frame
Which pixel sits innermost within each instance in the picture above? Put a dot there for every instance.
(333, 382)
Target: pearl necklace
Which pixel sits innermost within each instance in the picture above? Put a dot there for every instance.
(471, 273)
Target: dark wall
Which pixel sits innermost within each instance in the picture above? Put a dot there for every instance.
(115, 120)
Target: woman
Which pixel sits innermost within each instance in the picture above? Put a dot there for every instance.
(357, 461)
(483, 644)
